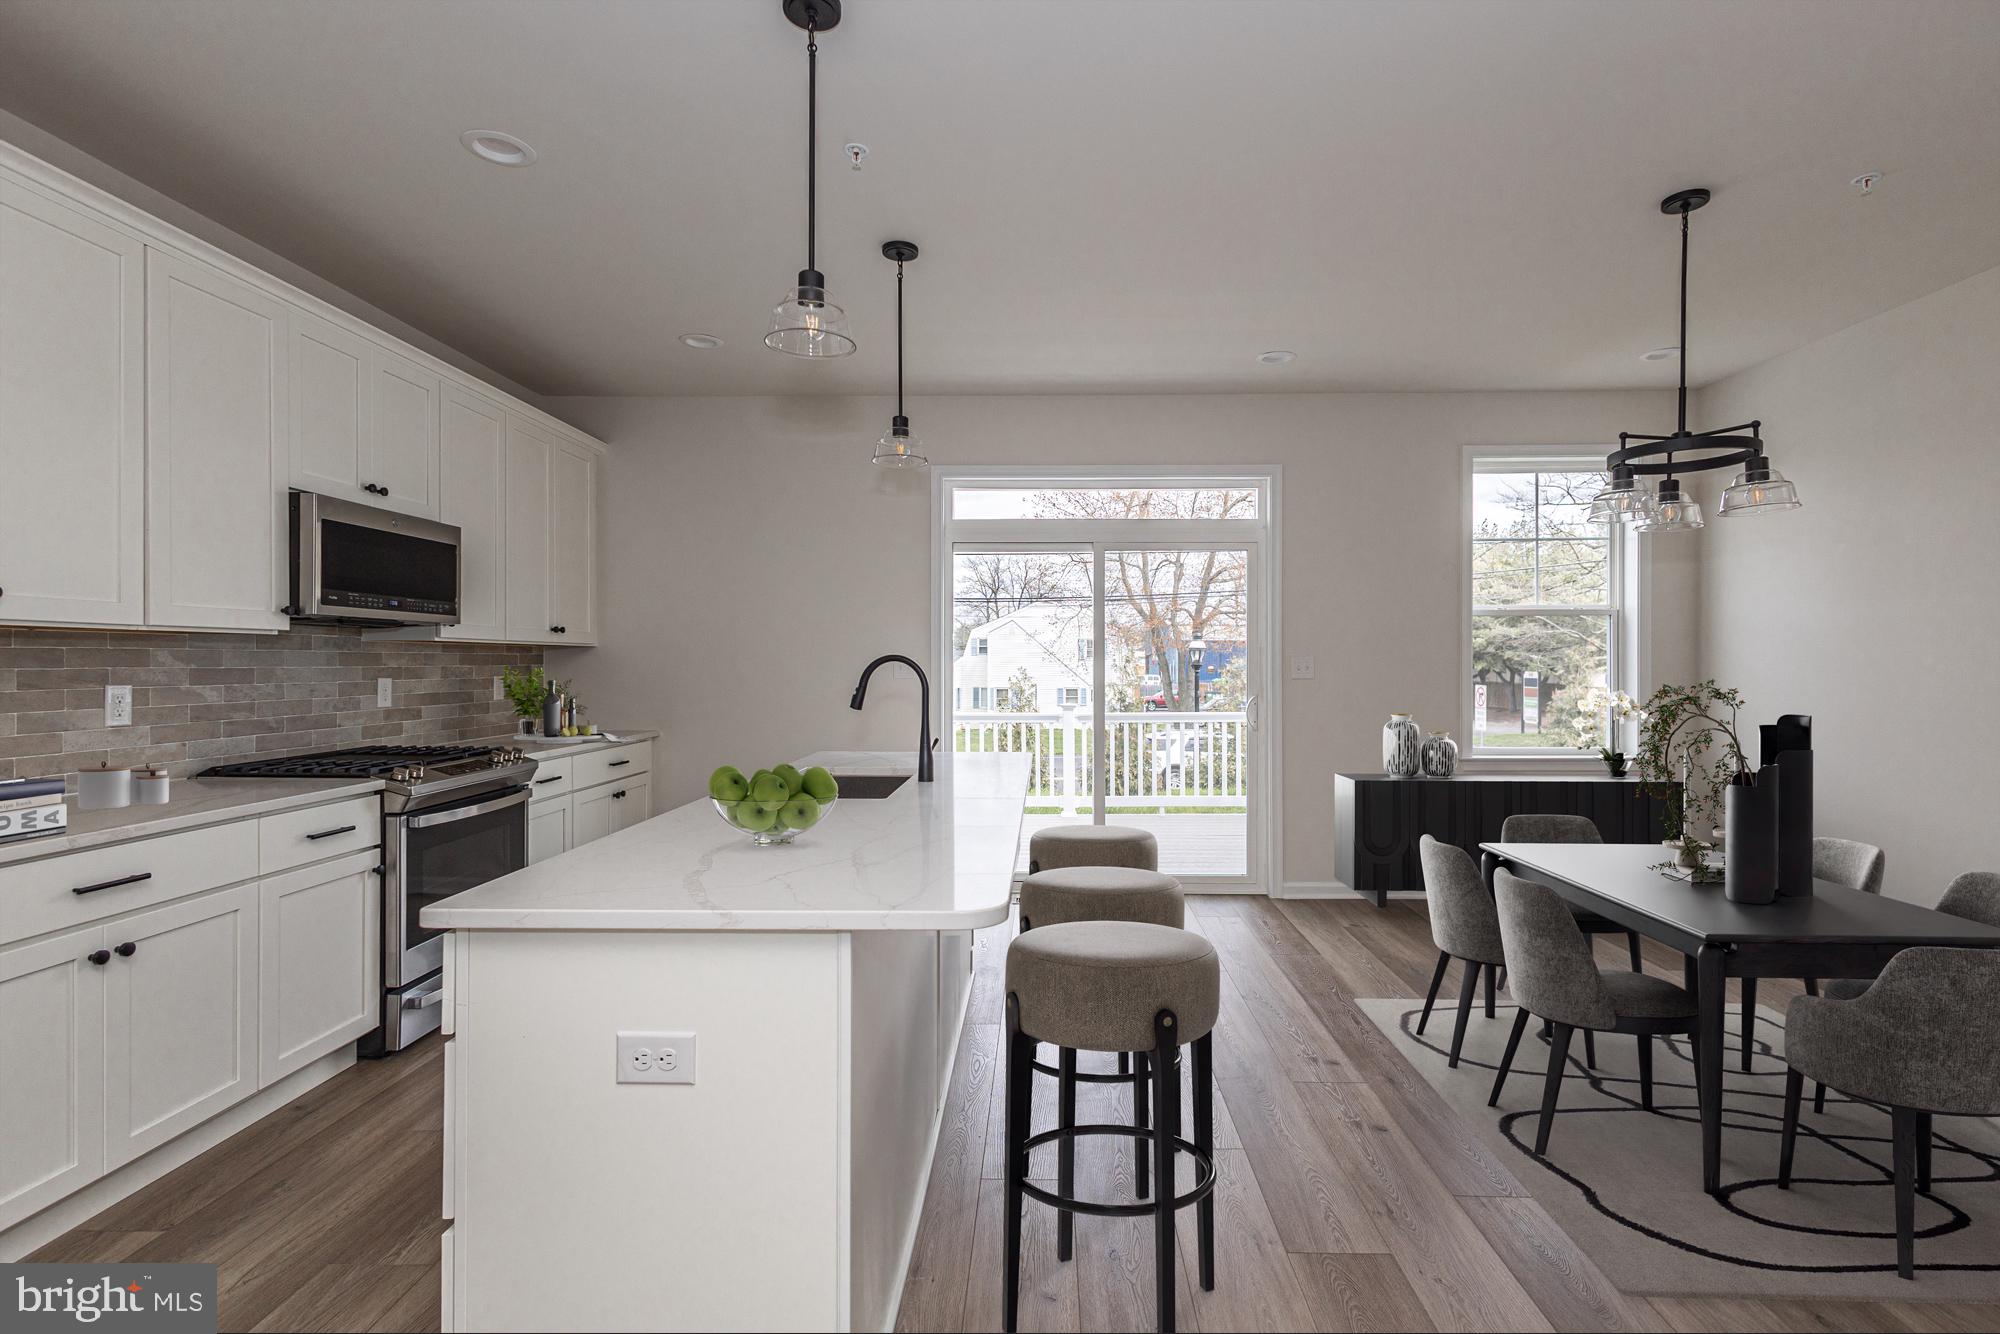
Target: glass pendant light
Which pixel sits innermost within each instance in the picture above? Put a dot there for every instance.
(1758, 489)
(1626, 498)
(805, 323)
(898, 448)
(1673, 512)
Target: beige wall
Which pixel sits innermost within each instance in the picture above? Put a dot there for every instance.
(1873, 606)
(754, 562)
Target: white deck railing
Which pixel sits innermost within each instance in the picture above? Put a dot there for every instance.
(1161, 760)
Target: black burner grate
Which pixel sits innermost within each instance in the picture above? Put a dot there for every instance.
(360, 762)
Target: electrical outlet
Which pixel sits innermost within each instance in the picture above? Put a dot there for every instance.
(656, 1058)
(118, 706)
(1302, 667)
(499, 688)
(383, 692)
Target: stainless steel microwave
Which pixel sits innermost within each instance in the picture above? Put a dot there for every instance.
(359, 565)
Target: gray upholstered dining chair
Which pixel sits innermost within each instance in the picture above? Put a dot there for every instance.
(1920, 1041)
(1465, 927)
(1569, 829)
(1973, 895)
(1844, 862)
(1552, 975)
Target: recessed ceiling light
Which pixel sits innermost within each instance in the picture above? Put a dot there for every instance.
(702, 342)
(1660, 354)
(1278, 357)
(495, 146)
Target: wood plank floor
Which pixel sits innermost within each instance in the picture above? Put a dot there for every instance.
(1349, 1198)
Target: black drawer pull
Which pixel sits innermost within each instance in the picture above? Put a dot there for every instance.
(125, 951)
(617, 764)
(555, 779)
(618, 795)
(99, 957)
(113, 884)
(329, 833)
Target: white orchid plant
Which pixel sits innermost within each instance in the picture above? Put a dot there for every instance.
(1593, 723)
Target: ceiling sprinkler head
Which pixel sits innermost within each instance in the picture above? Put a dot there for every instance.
(856, 155)
(1866, 182)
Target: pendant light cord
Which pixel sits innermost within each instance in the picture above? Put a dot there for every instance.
(812, 136)
(899, 339)
(1684, 323)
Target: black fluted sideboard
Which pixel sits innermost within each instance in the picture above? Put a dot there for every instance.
(1378, 819)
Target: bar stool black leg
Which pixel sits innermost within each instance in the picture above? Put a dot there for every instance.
(1166, 1115)
(1020, 1052)
(1065, 1148)
(1141, 1169)
(1204, 1137)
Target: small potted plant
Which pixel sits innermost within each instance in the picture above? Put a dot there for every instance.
(527, 691)
(1594, 725)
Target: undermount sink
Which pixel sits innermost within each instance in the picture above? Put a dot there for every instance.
(868, 787)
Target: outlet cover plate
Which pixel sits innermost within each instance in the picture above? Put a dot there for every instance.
(384, 692)
(118, 706)
(1302, 667)
(656, 1058)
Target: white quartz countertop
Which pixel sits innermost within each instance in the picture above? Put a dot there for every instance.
(929, 857)
(540, 748)
(192, 803)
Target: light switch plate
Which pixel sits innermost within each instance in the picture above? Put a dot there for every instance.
(656, 1058)
(499, 689)
(383, 692)
(1302, 667)
(118, 706)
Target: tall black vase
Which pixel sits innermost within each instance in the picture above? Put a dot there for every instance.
(1750, 832)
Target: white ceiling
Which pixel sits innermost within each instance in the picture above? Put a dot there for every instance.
(1110, 195)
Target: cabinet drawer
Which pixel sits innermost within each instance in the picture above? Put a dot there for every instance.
(552, 778)
(84, 886)
(602, 766)
(294, 838)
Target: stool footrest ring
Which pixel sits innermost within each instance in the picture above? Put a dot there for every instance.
(1204, 1179)
(1093, 1076)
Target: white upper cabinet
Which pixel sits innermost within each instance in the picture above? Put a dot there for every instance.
(364, 421)
(573, 543)
(72, 415)
(217, 378)
(530, 601)
(472, 467)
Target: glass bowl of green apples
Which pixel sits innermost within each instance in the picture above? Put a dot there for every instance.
(773, 805)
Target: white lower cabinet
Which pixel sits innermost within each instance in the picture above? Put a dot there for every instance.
(51, 1071)
(581, 798)
(631, 802)
(320, 933)
(590, 815)
(180, 1018)
(548, 829)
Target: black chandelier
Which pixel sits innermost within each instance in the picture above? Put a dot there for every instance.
(805, 323)
(898, 448)
(1758, 486)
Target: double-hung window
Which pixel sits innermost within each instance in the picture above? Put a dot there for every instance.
(1545, 603)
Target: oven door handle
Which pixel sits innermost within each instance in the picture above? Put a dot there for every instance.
(425, 998)
(519, 798)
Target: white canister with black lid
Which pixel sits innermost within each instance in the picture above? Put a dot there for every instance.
(103, 788)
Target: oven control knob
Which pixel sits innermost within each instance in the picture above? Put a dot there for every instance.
(399, 775)
(416, 773)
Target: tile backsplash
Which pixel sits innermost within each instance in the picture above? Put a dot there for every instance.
(198, 699)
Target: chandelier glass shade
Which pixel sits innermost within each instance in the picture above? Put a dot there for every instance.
(805, 323)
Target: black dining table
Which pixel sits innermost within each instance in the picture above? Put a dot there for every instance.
(1833, 932)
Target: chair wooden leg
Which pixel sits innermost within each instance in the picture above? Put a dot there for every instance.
(1020, 1053)
(1795, 1084)
(1465, 993)
(1141, 1163)
(1589, 1049)
(1507, 1061)
(1490, 970)
(1632, 947)
(1905, 1132)
(1204, 1138)
(1065, 1148)
(1430, 997)
(1166, 1122)
(1552, 1085)
(1645, 1041)
(1812, 986)
(1924, 1152)
(1749, 1020)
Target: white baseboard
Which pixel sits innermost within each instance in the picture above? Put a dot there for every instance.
(39, 1230)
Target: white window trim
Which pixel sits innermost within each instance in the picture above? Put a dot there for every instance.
(1631, 576)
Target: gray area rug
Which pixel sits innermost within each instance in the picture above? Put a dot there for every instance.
(1625, 1183)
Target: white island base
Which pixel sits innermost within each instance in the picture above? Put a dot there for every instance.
(825, 983)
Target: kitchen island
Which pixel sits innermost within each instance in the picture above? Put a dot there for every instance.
(822, 985)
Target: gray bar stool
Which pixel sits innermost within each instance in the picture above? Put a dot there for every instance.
(1132, 987)
(1092, 845)
(1098, 894)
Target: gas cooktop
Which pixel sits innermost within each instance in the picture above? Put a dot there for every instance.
(408, 771)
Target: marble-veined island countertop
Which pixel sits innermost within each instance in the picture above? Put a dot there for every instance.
(929, 857)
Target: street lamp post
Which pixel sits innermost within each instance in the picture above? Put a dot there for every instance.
(1195, 649)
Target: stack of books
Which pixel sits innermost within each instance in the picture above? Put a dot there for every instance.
(31, 807)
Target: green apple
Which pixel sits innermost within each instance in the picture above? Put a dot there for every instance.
(728, 784)
(768, 786)
(801, 812)
(819, 785)
(755, 816)
(794, 780)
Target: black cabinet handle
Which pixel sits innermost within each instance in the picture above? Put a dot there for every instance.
(617, 764)
(329, 833)
(618, 795)
(557, 778)
(558, 629)
(374, 490)
(99, 957)
(126, 951)
(113, 884)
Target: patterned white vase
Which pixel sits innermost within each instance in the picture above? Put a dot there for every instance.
(1402, 746)
(1440, 755)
